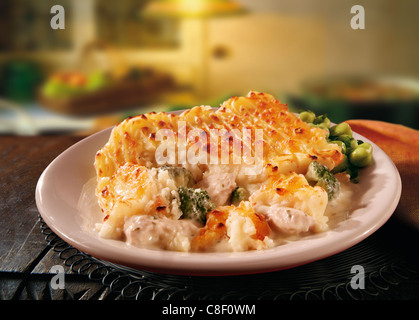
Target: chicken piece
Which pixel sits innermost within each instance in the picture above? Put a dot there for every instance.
(293, 191)
(159, 232)
(219, 186)
(288, 221)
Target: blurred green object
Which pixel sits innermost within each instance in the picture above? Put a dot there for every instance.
(55, 89)
(20, 80)
(71, 84)
(97, 80)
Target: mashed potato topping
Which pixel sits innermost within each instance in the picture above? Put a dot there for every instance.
(201, 182)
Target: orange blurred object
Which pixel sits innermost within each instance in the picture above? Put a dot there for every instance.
(401, 144)
(76, 79)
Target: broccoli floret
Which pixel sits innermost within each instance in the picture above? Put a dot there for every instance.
(319, 175)
(195, 203)
(353, 172)
(238, 195)
(322, 119)
(182, 176)
(350, 142)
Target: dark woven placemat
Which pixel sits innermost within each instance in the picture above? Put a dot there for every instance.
(388, 258)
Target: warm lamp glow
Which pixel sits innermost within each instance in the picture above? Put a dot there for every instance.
(191, 8)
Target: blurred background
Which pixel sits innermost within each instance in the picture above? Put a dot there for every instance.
(121, 58)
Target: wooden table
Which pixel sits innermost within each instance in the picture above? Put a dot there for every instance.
(26, 258)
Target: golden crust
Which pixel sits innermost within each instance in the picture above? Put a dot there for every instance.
(289, 146)
(284, 134)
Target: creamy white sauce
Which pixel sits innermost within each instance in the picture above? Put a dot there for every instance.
(160, 232)
(339, 208)
(173, 233)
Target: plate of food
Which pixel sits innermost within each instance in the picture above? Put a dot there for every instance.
(245, 188)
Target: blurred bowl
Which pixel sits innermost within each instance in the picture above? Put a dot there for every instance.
(394, 100)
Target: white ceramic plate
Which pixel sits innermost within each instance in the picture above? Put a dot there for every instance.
(61, 184)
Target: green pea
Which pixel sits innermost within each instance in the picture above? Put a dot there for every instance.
(326, 122)
(342, 166)
(322, 120)
(353, 143)
(361, 157)
(341, 129)
(341, 144)
(307, 116)
(366, 145)
(321, 126)
(350, 142)
(327, 130)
